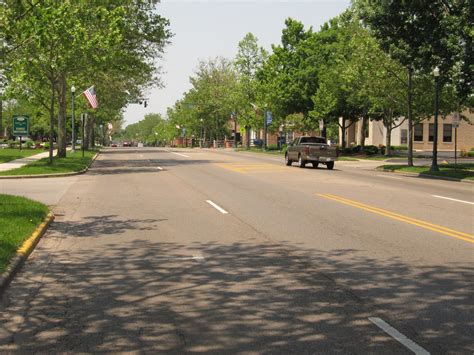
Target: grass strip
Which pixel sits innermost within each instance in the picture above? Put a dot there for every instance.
(463, 171)
(260, 150)
(9, 154)
(73, 162)
(19, 217)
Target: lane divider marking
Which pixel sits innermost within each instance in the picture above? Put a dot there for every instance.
(408, 343)
(220, 209)
(426, 225)
(453, 199)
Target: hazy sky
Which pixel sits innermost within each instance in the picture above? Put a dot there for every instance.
(207, 29)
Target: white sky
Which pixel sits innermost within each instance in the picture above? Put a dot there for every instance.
(206, 29)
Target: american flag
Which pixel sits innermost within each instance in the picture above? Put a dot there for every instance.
(91, 97)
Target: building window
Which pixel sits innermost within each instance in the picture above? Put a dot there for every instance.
(404, 135)
(418, 136)
(431, 132)
(447, 132)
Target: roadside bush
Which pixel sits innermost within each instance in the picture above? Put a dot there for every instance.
(371, 149)
(471, 153)
(29, 144)
(46, 145)
(12, 144)
(399, 147)
(272, 147)
(382, 149)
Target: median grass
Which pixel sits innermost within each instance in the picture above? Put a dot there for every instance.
(19, 217)
(8, 154)
(462, 171)
(73, 162)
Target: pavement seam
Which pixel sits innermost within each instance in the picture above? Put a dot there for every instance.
(434, 177)
(23, 252)
(51, 175)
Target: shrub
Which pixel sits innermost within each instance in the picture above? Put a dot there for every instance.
(46, 145)
(371, 149)
(29, 144)
(470, 154)
(12, 144)
(399, 147)
(272, 147)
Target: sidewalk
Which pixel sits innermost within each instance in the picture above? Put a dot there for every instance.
(18, 163)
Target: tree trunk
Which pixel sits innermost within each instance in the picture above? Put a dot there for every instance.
(51, 122)
(1, 117)
(343, 138)
(92, 132)
(362, 132)
(388, 141)
(62, 92)
(86, 136)
(89, 134)
(410, 118)
(247, 137)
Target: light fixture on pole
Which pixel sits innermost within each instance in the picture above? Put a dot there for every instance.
(434, 161)
(73, 91)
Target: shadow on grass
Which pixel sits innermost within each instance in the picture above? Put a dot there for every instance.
(148, 295)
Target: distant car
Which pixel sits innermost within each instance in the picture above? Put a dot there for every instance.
(308, 149)
(113, 145)
(127, 144)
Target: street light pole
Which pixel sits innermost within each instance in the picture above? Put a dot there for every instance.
(434, 162)
(73, 91)
(265, 129)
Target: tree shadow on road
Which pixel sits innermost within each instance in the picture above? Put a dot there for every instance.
(215, 297)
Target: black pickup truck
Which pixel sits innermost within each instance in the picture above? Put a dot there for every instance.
(309, 149)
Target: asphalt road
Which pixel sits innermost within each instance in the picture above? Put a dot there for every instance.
(218, 251)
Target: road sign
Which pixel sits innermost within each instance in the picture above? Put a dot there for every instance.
(21, 126)
(269, 117)
(456, 120)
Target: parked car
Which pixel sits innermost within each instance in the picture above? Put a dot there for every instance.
(309, 149)
(127, 144)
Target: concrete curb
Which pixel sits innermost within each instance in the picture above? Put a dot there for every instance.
(434, 177)
(51, 175)
(23, 252)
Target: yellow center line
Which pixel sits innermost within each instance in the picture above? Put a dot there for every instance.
(426, 225)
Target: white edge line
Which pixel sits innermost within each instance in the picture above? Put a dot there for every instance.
(453, 199)
(181, 155)
(220, 209)
(159, 168)
(398, 336)
(390, 177)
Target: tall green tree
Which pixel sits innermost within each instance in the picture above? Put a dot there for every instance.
(443, 38)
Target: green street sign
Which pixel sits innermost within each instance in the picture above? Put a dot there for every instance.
(21, 126)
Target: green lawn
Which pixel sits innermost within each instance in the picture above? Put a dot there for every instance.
(19, 217)
(259, 150)
(72, 163)
(464, 171)
(12, 154)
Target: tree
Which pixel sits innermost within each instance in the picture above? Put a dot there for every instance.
(442, 39)
(249, 60)
(55, 42)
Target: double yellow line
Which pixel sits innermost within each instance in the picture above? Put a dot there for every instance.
(426, 225)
